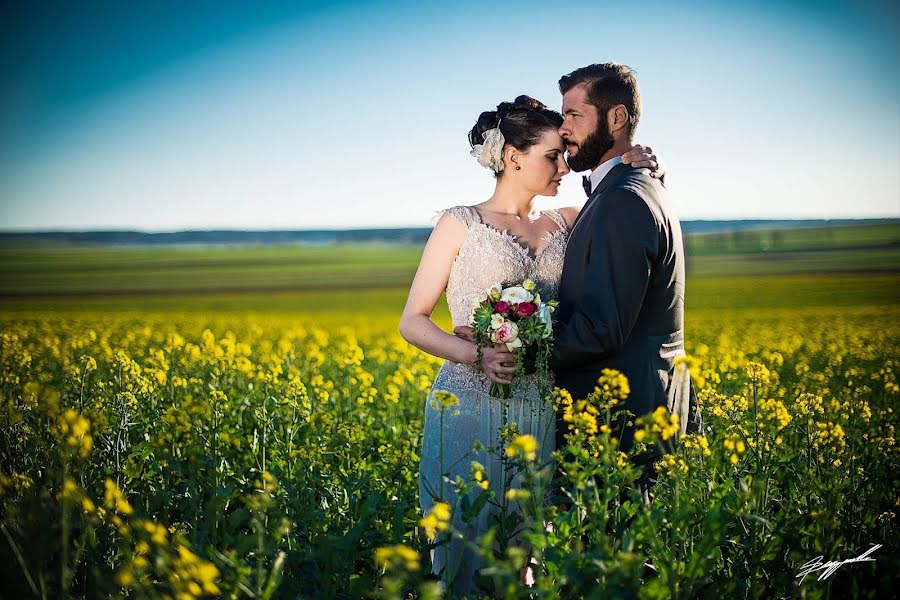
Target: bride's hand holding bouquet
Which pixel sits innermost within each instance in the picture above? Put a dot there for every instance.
(517, 318)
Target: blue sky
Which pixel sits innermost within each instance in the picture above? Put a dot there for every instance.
(163, 116)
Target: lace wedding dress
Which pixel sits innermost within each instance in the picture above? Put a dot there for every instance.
(487, 256)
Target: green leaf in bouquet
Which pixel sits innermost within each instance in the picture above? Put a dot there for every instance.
(481, 318)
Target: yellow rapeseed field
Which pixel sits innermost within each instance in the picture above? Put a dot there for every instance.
(178, 455)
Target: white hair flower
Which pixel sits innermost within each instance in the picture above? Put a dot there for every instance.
(490, 153)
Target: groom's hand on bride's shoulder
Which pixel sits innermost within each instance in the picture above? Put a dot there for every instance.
(465, 332)
(643, 156)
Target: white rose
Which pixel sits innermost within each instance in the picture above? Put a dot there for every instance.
(497, 321)
(516, 343)
(516, 294)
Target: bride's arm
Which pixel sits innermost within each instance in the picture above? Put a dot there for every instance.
(430, 281)
(643, 156)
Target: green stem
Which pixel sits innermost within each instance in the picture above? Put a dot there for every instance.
(19, 557)
(260, 548)
(64, 576)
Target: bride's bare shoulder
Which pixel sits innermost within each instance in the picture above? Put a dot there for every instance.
(450, 226)
(569, 213)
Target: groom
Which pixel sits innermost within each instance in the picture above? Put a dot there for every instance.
(621, 296)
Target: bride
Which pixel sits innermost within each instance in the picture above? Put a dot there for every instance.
(505, 240)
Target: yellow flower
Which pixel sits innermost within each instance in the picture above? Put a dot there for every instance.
(693, 366)
(612, 388)
(74, 430)
(115, 499)
(397, 556)
(758, 373)
(672, 465)
(438, 519)
(441, 510)
(829, 436)
(125, 578)
(267, 483)
(158, 533)
(664, 423)
(560, 398)
(478, 473)
(445, 398)
(193, 575)
(775, 411)
(696, 444)
(523, 445)
(517, 494)
(582, 415)
(735, 444)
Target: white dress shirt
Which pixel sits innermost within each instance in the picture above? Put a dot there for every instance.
(600, 172)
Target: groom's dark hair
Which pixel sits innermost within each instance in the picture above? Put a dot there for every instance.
(608, 85)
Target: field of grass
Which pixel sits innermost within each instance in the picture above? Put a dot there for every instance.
(45, 272)
(100, 271)
(245, 422)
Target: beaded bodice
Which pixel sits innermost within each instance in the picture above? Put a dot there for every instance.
(489, 256)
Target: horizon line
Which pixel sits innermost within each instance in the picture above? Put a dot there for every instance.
(4, 231)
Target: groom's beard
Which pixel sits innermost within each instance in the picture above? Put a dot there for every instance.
(592, 149)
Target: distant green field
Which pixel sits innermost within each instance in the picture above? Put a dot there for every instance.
(800, 239)
(850, 265)
(54, 270)
(853, 248)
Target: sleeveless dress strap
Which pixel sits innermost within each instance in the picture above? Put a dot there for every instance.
(556, 215)
(466, 215)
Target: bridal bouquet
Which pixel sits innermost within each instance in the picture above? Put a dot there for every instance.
(515, 316)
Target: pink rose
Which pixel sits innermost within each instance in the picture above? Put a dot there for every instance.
(508, 332)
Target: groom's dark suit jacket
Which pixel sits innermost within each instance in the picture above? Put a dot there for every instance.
(621, 296)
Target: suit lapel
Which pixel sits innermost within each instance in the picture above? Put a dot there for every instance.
(614, 174)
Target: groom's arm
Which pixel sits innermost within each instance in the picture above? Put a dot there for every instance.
(624, 246)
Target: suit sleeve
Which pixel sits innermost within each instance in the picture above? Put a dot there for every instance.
(623, 247)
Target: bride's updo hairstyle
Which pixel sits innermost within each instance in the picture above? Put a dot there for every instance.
(522, 123)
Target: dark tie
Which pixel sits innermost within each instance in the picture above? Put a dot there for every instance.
(586, 184)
